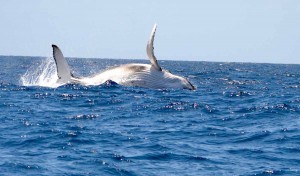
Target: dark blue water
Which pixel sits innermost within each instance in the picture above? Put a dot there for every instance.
(243, 119)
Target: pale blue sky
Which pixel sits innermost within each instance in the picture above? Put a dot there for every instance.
(216, 30)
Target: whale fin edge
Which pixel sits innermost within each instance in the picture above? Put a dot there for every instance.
(150, 50)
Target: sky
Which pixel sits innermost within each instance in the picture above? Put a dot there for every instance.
(261, 31)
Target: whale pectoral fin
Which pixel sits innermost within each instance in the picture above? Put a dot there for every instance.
(150, 50)
(63, 69)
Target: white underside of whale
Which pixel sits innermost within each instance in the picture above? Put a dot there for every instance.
(141, 75)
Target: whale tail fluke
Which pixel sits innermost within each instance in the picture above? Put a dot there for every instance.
(63, 69)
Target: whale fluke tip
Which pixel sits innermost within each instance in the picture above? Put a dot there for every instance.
(154, 27)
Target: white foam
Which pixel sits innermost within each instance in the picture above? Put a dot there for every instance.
(44, 75)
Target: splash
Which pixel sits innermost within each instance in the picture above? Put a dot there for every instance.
(44, 75)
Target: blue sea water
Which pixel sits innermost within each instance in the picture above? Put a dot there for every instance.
(243, 119)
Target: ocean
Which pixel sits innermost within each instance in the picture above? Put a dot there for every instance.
(243, 119)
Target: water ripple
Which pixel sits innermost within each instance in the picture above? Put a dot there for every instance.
(242, 120)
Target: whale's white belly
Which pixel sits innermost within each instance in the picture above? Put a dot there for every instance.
(128, 74)
(141, 75)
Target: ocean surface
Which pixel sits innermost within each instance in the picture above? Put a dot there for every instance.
(243, 119)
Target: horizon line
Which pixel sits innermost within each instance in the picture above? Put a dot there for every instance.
(189, 60)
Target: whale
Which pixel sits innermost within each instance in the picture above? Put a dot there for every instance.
(134, 74)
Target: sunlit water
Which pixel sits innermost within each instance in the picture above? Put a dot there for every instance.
(243, 119)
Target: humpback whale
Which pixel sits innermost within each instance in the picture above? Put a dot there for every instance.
(135, 74)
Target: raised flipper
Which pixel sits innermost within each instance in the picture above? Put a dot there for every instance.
(63, 69)
(150, 50)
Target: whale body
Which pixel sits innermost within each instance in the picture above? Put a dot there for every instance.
(135, 74)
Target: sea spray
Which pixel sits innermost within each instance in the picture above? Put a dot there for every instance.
(44, 75)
